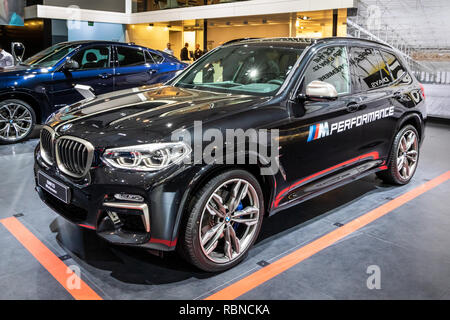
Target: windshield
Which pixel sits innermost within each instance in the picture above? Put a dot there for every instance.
(254, 70)
(50, 56)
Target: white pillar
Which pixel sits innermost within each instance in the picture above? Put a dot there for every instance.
(128, 6)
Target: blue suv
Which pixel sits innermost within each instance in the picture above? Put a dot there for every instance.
(45, 82)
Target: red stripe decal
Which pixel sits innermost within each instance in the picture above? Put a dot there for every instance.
(373, 155)
(168, 243)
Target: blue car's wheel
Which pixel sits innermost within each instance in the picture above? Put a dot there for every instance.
(17, 120)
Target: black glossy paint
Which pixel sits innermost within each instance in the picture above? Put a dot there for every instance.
(151, 113)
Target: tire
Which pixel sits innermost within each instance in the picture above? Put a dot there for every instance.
(200, 222)
(17, 121)
(394, 174)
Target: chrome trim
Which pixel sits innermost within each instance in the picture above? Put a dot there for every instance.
(42, 152)
(90, 149)
(134, 206)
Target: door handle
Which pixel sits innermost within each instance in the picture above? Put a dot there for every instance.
(353, 106)
(105, 75)
(152, 71)
(397, 94)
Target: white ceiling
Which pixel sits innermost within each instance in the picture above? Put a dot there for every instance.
(421, 23)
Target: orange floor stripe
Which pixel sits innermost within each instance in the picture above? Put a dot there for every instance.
(49, 260)
(262, 275)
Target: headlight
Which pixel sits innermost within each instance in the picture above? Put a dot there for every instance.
(146, 157)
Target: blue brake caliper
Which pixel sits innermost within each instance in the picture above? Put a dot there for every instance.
(239, 208)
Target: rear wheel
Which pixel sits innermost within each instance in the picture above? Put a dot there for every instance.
(403, 158)
(17, 120)
(224, 221)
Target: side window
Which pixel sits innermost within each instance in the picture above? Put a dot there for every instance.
(329, 65)
(93, 57)
(395, 66)
(156, 57)
(129, 57)
(368, 69)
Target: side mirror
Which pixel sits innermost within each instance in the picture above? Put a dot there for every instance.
(321, 90)
(18, 51)
(71, 65)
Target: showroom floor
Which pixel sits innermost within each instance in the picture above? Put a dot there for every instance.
(409, 244)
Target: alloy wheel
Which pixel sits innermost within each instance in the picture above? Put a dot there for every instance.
(15, 121)
(407, 154)
(229, 221)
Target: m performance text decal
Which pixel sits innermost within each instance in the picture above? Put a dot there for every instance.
(323, 129)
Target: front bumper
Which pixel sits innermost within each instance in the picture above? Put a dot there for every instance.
(151, 223)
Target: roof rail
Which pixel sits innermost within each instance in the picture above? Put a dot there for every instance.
(355, 39)
(239, 39)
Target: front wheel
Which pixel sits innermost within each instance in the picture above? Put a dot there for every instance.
(403, 158)
(17, 120)
(224, 221)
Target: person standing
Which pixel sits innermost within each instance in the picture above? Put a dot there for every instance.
(168, 49)
(184, 54)
(6, 59)
(198, 52)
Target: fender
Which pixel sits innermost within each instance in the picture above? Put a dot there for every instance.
(414, 116)
(268, 184)
(39, 101)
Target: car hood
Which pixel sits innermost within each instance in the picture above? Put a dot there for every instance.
(20, 71)
(146, 114)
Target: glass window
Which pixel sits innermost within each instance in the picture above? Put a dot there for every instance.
(129, 57)
(155, 57)
(368, 69)
(92, 58)
(50, 56)
(329, 65)
(259, 70)
(395, 66)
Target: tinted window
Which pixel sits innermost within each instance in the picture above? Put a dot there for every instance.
(368, 69)
(93, 57)
(395, 67)
(156, 57)
(130, 56)
(329, 65)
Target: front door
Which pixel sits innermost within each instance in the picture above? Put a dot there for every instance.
(94, 69)
(323, 140)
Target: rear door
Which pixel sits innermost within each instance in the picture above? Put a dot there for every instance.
(132, 70)
(374, 111)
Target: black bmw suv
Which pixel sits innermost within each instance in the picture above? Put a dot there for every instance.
(337, 109)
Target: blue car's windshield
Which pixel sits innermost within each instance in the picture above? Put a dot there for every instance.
(254, 70)
(50, 56)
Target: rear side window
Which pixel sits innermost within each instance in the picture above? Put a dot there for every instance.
(329, 65)
(368, 69)
(129, 57)
(156, 57)
(395, 66)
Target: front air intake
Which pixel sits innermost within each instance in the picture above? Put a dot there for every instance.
(74, 156)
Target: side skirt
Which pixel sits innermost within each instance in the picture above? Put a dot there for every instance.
(321, 186)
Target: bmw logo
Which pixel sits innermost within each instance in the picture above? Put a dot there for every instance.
(227, 219)
(66, 127)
